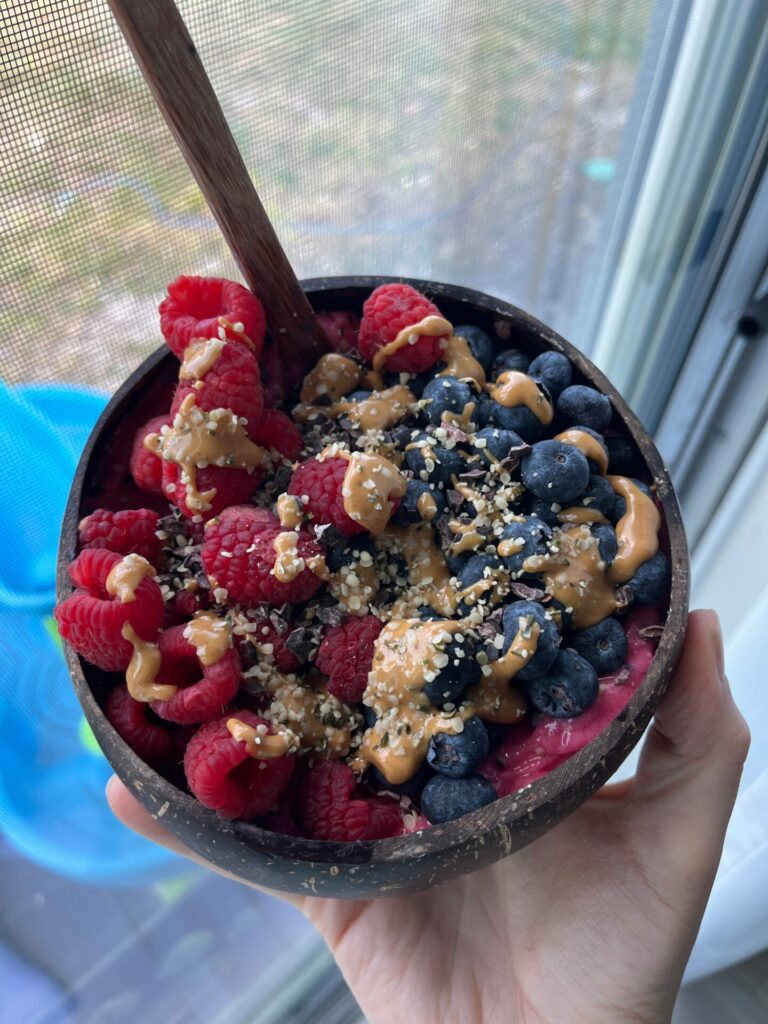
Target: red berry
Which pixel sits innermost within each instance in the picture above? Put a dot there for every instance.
(223, 776)
(204, 690)
(346, 656)
(91, 619)
(328, 807)
(340, 328)
(233, 382)
(233, 487)
(270, 642)
(184, 605)
(194, 305)
(129, 718)
(147, 467)
(278, 431)
(389, 309)
(131, 531)
(239, 555)
(321, 483)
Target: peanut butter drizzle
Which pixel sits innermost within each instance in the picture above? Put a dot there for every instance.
(575, 574)
(369, 482)
(463, 419)
(289, 511)
(260, 743)
(514, 388)
(459, 361)
(637, 532)
(354, 587)
(426, 506)
(210, 636)
(581, 514)
(319, 720)
(288, 564)
(199, 356)
(382, 410)
(125, 576)
(494, 700)
(143, 668)
(372, 380)
(317, 565)
(333, 375)
(469, 538)
(433, 326)
(198, 439)
(428, 572)
(587, 445)
(407, 652)
(510, 546)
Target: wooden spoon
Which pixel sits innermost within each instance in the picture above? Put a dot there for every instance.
(171, 65)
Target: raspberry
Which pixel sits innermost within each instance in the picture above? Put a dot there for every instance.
(329, 808)
(223, 776)
(340, 328)
(204, 690)
(238, 554)
(321, 482)
(346, 656)
(278, 431)
(92, 620)
(389, 309)
(131, 719)
(233, 487)
(270, 642)
(184, 605)
(147, 467)
(194, 304)
(233, 382)
(129, 532)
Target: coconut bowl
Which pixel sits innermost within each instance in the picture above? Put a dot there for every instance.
(438, 853)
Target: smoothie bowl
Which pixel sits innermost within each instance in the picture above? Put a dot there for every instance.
(364, 636)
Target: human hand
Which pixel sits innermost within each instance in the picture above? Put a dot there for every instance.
(594, 922)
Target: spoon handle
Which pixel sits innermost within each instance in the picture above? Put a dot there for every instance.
(174, 72)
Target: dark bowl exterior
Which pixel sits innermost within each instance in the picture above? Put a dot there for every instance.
(417, 861)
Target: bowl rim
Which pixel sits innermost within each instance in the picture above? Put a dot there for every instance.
(568, 784)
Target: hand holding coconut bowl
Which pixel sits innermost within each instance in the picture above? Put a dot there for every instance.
(366, 585)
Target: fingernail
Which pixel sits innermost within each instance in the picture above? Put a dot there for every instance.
(717, 641)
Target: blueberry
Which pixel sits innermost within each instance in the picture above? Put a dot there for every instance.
(542, 509)
(497, 733)
(620, 504)
(479, 567)
(416, 382)
(580, 404)
(444, 462)
(462, 670)
(369, 716)
(483, 411)
(599, 495)
(555, 471)
(408, 512)
(606, 542)
(428, 614)
(446, 394)
(456, 563)
(604, 645)
(622, 456)
(552, 369)
(358, 396)
(569, 687)
(652, 580)
(511, 359)
(411, 787)
(534, 534)
(341, 550)
(445, 799)
(560, 614)
(549, 638)
(459, 755)
(499, 443)
(480, 345)
(519, 418)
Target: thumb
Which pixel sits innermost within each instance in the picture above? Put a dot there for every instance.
(692, 759)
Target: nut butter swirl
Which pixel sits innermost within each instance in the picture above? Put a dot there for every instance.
(125, 576)
(513, 388)
(637, 532)
(143, 668)
(433, 326)
(210, 635)
(407, 654)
